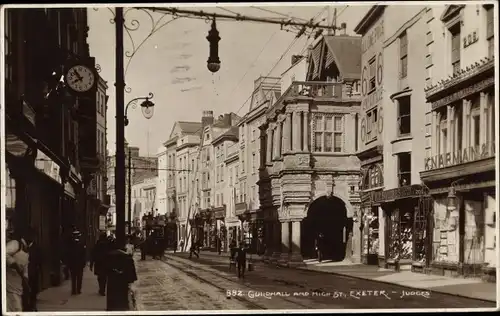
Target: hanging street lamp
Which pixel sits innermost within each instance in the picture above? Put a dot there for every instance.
(213, 38)
(147, 107)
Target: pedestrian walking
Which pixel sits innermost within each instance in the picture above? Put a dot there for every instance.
(34, 271)
(241, 260)
(120, 272)
(129, 246)
(17, 260)
(76, 261)
(193, 250)
(219, 245)
(98, 261)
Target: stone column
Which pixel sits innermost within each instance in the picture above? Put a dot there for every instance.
(483, 117)
(465, 123)
(296, 255)
(279, 143)
(296, 132)
(275, 142)
(287, 133)
(305, 132)
(449, 117)
(276, 242)
(285, 243)
(269, 148)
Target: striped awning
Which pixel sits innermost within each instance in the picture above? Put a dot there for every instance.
(329, 58)
(15, 145)
(316, 56)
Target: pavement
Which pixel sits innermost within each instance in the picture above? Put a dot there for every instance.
(59, 298)
(474, 288)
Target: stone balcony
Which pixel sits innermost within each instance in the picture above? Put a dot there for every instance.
(323, 91)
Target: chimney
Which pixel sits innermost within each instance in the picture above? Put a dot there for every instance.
(207, 118)
(295, 59)
(134, 152)
(227, 120)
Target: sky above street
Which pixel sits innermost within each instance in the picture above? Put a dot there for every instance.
(172, 63)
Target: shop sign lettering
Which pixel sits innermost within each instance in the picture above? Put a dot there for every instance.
(470, 39)
(475, 88)
(460, 156)
(372, 99)
(48, 166)
(398, 193)
(376, 34)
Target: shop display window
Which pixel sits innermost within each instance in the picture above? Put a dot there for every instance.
(401, 235)
(370, 232)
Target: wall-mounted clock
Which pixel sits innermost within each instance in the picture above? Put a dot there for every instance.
(80, 78)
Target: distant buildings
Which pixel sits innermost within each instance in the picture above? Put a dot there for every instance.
(141, 167)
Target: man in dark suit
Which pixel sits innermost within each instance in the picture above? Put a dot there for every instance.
(241, 260)
(76, 261)
(98, 261)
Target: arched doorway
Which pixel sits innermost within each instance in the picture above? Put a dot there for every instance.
(326, 215)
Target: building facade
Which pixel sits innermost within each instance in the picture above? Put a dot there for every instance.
(137, 166)
(161, 194)
(371, 127)
(144, 192)
(189, 133)
(399, 239)
(310, 173)
(267, 90)
(231, 162)
(460, 168)
(42, 143)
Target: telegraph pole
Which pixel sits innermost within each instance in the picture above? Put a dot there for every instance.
(120, 130)
(129, 191)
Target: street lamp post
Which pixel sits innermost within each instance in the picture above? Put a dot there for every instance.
(147, 110)
(120, 130)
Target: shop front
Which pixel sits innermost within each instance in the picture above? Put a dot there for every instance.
(219, 215)
(407, 212)
(461, 173)
(369, 231)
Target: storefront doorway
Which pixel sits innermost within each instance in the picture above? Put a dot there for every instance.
(326, 216)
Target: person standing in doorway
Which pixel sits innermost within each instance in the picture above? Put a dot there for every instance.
(76, 261)
(98, 261)
(320, 246)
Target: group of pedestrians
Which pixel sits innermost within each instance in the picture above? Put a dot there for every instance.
(114, 268)
(23, 260)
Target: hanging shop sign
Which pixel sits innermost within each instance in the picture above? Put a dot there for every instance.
(409, 191)
(102, 222)
(465, 155)
(463, 93)
(69, 190)
(48, 166)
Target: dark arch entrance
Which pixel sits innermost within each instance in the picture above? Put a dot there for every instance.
(326, 215)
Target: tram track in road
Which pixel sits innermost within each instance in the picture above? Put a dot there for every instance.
(239, 290)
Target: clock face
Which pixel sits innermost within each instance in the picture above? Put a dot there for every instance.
(80, 78)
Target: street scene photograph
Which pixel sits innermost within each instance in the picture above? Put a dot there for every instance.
(249, 157)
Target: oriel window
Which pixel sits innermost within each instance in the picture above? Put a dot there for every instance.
(404, 115)
(404, 169)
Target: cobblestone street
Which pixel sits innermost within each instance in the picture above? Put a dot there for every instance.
(178, 283)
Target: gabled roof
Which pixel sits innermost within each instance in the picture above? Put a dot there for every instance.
(190, 127)
(346, 53)
(450, 11)
(370, 17)
(231, 134)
